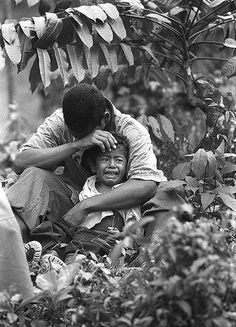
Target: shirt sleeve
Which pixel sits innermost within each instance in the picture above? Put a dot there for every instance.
(142, 161)
(49, 134)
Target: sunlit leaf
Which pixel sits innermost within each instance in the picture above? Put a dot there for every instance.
(92, 12)
(110, 10)
(91, 56)
(32, 2)
(39, 25)
(27, 27)
(44, 66)
(84, 34)
(11, 43)
(118, 27)
(159, 18)
(62, 63)
(76, 55)
(148, 49)
(2, 59)
(230, 43)
(104, 30)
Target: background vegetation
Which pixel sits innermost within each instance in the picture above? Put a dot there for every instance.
(168, 64)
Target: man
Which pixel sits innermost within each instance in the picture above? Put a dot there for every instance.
(86, 120)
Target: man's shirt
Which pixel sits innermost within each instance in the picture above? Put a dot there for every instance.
(141, 163)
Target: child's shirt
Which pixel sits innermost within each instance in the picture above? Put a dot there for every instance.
(94, 218)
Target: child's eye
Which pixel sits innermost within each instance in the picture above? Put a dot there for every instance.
(104, 159)
(119, 160)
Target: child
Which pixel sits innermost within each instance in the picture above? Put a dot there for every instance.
(93, 234)
(109, 171)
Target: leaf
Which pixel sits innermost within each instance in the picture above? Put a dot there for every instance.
(206, 199)
(149, 51)
(2, 59)
(198, 263)
(230, 43)
(104, 30)
(62, 63)
(11, 43)
(32, 2)
(228, 201)
(84, 34)
(155, 127)
(101, 81)
(110, 10)
(225, 190)
(26, 50)
(44, 66)
(185, 307)
(212, 164)
(216, 3)
(52, 31)
(34, 76)
(76, 56)
(18, 1)
(91, 56)
(111, 57)
(228, 168)
(229, 68)
(181, 170)
(118, 27)
(159, 18)
(39, 25)
(198, 163)
(92, 12)
(128, 53)
(27, 27)
(166, 128)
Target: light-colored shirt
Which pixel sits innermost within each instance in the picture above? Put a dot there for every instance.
(94, 218)
(141, 163)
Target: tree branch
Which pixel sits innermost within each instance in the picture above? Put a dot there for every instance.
(167, 41)
(177, 75)
(206, 42)
(208, 58)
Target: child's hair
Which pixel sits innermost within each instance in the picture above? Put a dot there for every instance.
(91, 154)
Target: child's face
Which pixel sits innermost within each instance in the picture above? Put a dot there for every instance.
(110, 166)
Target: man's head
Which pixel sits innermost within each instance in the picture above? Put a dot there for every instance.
(110, 167)
(84, 109)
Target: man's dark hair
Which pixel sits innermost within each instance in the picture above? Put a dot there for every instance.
(91, 154)
(83, 107)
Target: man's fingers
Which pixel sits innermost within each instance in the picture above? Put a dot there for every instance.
(106, 138)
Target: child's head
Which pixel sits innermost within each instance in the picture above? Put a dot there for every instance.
(110, 167)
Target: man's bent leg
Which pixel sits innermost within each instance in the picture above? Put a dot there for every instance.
(39, 195)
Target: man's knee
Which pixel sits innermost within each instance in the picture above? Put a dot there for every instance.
(36, 172)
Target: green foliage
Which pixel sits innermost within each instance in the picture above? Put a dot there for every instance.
(188, 280)
(210, 181)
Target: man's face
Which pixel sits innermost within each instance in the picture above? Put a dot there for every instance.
(110, 167)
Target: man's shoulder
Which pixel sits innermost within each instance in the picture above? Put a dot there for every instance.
(125, 121)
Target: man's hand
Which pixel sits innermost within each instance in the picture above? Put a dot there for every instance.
(105, 140)
(76, 215)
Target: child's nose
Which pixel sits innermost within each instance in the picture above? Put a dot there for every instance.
(112, 163)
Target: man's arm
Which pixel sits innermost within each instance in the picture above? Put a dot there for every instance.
(130, 194)
(50, 158)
